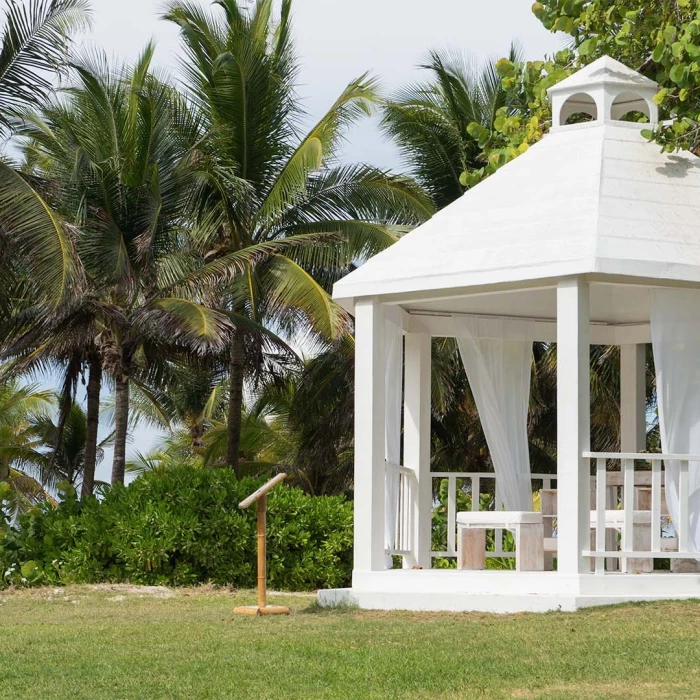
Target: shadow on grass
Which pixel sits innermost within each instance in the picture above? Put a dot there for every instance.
(337, 608)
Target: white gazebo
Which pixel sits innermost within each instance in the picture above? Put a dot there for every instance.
(591, 237)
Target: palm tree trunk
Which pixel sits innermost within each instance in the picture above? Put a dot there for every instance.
(235, 402)
(121, 420)
(93, 421)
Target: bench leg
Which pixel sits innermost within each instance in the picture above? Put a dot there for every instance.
(641, 542)
(471, 548)
(529, 548)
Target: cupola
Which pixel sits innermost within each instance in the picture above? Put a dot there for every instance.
(605, 90)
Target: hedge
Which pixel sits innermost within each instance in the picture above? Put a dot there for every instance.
(179, 527)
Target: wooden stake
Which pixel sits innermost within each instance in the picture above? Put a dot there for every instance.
(262, 552)
(262, 608)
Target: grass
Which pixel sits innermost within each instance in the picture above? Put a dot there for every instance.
(123, 642)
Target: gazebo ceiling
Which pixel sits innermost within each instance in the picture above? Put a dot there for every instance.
(593, 198)
(613, 304)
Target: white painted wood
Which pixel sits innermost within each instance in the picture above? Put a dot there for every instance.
(633, 397)
(573, 424)
(605, 89)
(641, 456)
(629, 554)
(476, 493)
(416, 438)
(601, 502)
(440, 325)
(628, 505)
(451, 512)
(369, 554)
(683, 508)
(656, 504)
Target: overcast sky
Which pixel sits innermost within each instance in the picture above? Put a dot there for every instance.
(338, 40)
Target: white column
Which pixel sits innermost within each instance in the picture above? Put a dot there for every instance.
(633, 397)
(369, 437)
(416, 445)
(632, 439)
(573, 425)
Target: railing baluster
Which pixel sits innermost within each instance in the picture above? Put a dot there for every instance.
(655, 505)
(628, 505)
(476, 493)
(683, 509)
(498, 534)
(600, 505)
(452, 514)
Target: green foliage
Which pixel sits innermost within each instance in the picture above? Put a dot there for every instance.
(525, 116)
(180, 526)
(660, 38)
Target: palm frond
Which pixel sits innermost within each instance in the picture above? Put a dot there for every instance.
(34, 42)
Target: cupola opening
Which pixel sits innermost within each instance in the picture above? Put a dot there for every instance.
(630, 106)
(579, 108)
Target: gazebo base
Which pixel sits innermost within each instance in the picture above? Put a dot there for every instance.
(505, 591)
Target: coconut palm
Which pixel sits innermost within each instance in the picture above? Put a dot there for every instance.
(116, 151)
(62, 449)
(20, 407)
(272, 195)
(428, 120)
(33, 47)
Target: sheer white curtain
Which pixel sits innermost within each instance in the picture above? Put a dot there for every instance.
(393, 355)
(499, 372)
(675, 334)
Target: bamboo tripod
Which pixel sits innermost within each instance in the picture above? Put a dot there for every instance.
(260, 497)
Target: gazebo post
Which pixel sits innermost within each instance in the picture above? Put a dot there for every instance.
(573, 424)
(633, 439)
(633, 397)
(417, 440)
(370, 470)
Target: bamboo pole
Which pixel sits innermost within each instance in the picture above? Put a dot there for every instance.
(262, 552)
(262, 608)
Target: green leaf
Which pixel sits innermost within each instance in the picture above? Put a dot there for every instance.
(477, 131)
(648, 134)
(28, 568)
(660, 96)
(669, 34)
(658, 52)
(587, 47)
(677, 74)
(564, 24)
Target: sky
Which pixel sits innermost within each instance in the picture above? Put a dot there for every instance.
(338, 40)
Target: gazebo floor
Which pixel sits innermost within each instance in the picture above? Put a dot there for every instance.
(505, 591)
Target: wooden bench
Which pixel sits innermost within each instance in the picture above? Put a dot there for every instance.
(471, 538)
(614, 523)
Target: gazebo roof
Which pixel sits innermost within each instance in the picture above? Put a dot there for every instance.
(595, 197)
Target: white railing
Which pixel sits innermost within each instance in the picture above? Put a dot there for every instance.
(404, 532)
(475, 481)
(642, 521)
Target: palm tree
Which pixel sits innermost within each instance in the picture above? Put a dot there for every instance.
(116, 152)
(20, 407)
(278, 219)
(63, 447)
(428, 121)
(33, 47)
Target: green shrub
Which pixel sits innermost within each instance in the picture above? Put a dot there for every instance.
(177, 527)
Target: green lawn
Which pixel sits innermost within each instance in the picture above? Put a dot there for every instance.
(117, 642)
